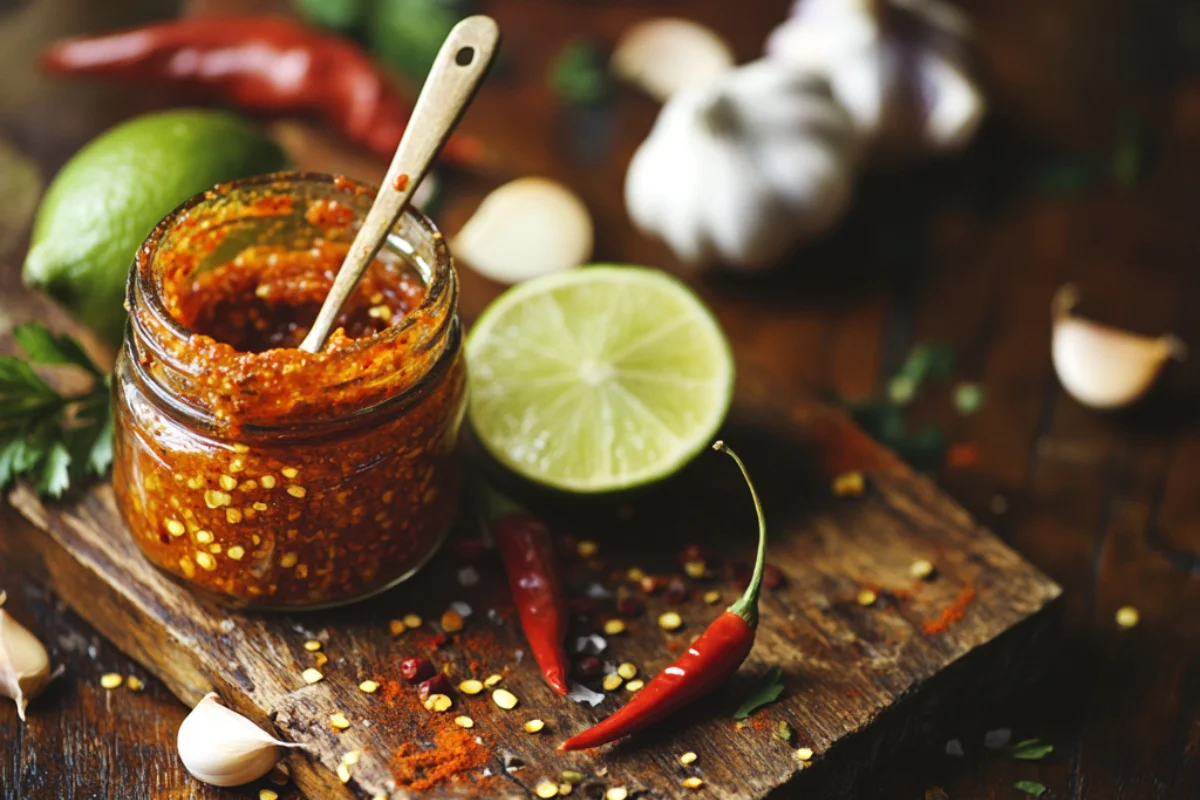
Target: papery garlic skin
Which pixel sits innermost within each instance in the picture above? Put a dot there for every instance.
(24, 662)
(741, 170)
(668, 54)
(902, 68)
(1101, 366)
(222, 748)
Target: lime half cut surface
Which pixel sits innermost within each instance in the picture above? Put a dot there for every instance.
(598, 379)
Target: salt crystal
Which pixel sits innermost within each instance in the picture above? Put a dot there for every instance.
(468, 576)
(581, 694)
(519, 655)
(994, 740)
(228, 625)
(591, 645)
(597, 592)
(494, 616)
(954, 748)
(461, 608)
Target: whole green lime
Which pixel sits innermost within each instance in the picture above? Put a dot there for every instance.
(113, 192)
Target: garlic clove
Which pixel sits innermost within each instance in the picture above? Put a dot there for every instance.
(526, 228)
(1102, 366)
(222, 748)
(665, 55)
(24, 662)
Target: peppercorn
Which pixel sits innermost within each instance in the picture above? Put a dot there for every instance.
(588, 667)
(677, 591)
(416, 669)
(438, 684)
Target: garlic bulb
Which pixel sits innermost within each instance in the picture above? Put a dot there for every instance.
(1101, 366)
(902, 68)
(665, 55)
(742, 169)
(24, 662)
(222, 748)
(526, 228)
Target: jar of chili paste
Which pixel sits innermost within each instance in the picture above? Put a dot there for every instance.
(258, 473)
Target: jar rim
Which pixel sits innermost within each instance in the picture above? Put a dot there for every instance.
(144, 291)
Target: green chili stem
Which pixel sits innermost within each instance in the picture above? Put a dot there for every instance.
(746, 606)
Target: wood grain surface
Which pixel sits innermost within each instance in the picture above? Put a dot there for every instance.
(1106, 505)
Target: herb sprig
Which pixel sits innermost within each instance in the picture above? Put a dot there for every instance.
(51, 438)
(767, 692)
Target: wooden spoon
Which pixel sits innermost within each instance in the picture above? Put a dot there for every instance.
(452, 81)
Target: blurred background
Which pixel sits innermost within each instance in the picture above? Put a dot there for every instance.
(911, 281)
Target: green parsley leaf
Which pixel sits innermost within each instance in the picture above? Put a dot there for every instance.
(1030, 750)
(768, 691)
(46, 437)
(578, 74)
(1030, 787)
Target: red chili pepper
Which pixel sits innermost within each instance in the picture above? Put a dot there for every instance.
(269, 65)
(706, 664)
(528, 551)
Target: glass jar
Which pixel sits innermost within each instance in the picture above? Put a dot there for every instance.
(258, 473)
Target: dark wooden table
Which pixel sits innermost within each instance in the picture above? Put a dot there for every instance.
(968, 251)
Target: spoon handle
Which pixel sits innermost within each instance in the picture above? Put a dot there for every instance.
(453, 79)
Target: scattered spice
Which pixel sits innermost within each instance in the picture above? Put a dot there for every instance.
(534, 726)
(952, 614)
(454, 755)
(111, 680)
(687, 758)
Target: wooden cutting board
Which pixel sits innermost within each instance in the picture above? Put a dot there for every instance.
(863, 682)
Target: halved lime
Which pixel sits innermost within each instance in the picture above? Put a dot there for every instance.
(598, 379)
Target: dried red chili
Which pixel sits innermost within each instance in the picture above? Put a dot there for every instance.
(416, 669)
(267, 65)
(438, 684)
(528, 552)
(706, 664)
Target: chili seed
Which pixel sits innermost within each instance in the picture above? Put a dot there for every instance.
(350, 758)
(849, 484)
(616, 793)
(215, 499)
(712, 598)
(614, 627)
(627, 670)
(288, 560)
(572, 777)
(204, 537)
(438, 703)
(492, 680)
(687, 758)
(237, 552)
(464, 722)
(368, 687)
(867, 597)
(692, 783)
(267, 481)
(635, 686)
(320, 659)
(452, 621)
(471, 686)
(312, 676)
(267, 794)
(297, 491)
(111, 680)
(134, 684)
(804, 753)
(397, 627)
(412, 620)
(259, 506)
(188, 568)
(207, 561)
(175, 527)
(612, 682)
(546, 789)
(921, 569)
(438, 684)
(588, 667)
(504, 698)
(227, 482)
(339, 721)
(695, 569)
(634, 574)
(312, 645)
(1127, 616)
(670, 621)
(534, 726)
(289, 472)
(237, 465)
(650, 584)
(343, 773)
(587, 549)
(564, 789)
(233, 515)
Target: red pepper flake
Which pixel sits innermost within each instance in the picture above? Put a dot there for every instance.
(961, 455)
(439, 640)
(953, 613)
(416, 669)
(438, 684)
(588, 667)
(401, 182)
